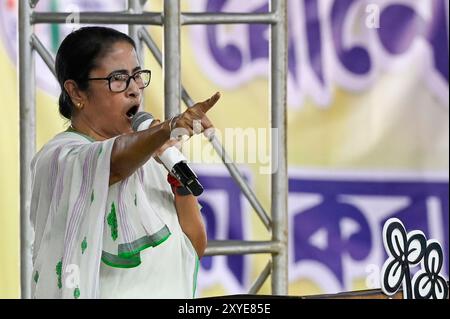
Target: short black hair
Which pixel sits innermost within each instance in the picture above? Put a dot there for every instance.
(78, 55)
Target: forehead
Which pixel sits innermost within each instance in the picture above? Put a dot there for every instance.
(120, 56)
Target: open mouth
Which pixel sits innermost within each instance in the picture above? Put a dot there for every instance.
(132, 111)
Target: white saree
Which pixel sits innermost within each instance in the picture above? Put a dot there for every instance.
(96, 241)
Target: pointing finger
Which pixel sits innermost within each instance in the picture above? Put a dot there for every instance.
(209, 103)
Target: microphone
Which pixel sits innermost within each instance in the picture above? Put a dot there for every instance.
(174, 161)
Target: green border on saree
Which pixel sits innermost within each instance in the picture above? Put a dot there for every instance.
(197, 264)
(119, 262)
(130, 249)
(129, 253)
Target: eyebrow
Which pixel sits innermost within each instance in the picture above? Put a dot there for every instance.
(125, 71)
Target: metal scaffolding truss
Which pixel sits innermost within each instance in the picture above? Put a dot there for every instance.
(171, 19)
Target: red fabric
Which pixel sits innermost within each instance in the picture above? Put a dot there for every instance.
(173, 182)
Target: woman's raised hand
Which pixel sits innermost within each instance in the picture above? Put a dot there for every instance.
(194, 119)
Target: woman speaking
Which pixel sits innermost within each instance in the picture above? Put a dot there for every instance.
(109, 221)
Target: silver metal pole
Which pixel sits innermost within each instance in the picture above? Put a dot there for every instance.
(239, 247)
(234, 172)
(153, 18)
(278, 59)
(134, 7)
(147, 18)
(43, 53)
(27, 142)
(172, 58)
(226, 18)
(261, 279)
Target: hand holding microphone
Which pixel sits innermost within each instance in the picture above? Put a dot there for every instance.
(183, 124)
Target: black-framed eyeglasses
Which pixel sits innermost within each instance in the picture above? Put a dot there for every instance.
(119, 82)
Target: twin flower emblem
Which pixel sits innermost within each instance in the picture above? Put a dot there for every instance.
(409, 249)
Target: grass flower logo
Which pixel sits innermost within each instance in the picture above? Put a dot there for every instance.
(428, 282)
(404, 249)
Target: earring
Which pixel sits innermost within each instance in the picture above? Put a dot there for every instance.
(80, 105)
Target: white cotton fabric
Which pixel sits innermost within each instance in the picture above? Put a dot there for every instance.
(85, 230)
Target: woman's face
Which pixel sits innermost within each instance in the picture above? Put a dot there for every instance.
(105, 112)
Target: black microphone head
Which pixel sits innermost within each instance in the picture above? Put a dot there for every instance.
(195, 187)
(187, 177)
(138, 118)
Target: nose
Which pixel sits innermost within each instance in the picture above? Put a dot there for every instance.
(133, 89)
